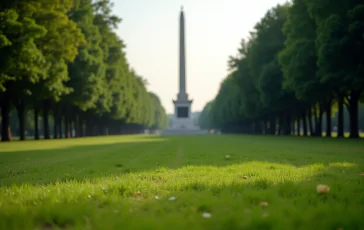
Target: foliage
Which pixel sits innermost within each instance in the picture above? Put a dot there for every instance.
(303, 60)
(63, 61)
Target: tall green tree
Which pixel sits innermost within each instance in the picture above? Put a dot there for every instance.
(21, 64)
(86, 73)
(58, 46)
(338, 38)
(302, 61)
(160, 117)
(204, 120)
(267, 76)
(298, 60)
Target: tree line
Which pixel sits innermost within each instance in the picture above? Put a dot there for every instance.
(61, 63)
(303, 63)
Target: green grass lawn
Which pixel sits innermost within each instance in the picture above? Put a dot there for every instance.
(153, 182)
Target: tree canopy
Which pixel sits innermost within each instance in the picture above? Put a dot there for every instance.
(303, 60)
(62, 63)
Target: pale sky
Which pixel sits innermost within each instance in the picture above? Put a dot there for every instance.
(213, 30)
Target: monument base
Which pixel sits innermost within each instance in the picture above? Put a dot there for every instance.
(183, 126)
(179, 132)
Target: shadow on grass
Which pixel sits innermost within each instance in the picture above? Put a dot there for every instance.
(91, 158)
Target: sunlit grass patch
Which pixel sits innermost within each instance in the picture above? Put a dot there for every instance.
(342, 165)
(64, 144)
(184, 183)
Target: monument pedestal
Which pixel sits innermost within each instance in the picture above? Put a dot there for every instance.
(177, 132)
(183, 126)
(182, 123)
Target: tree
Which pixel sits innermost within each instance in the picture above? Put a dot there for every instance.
(21, 64)
(298, 60)
(56, 49)
(60, 46)
(205, 117)
(86, 73)
(160, 117)
(63, 58)
(266, 74)
(338, 38)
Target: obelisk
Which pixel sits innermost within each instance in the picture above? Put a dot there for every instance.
(182, 58)
(182, 123)
(182, 104)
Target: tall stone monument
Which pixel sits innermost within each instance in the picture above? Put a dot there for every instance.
(181, 123)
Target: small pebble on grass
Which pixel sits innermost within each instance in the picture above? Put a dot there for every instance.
(206, 215)
(322, 188)
(263, 204)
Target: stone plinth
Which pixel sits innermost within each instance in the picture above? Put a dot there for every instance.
(176, 132)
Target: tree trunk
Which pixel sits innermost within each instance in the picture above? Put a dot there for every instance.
(71, 126)
(75, 121)
(112, 129)
(60, 119)
(328, 118)
(88, 128)
(265, 124)
(66, 126)
(251, 128)
(94, 130)
(272, 126)
(78, 126)
(289, 126)
(296, 128)
(36, 123)
(315, 118)
(304, 124)
(100, 130)
(106, 131)
(280, 125)
(5, 127)
(258, 124)
(340, 116)
(299, 125)
(319, 122)
(81, 123)
(284, 126)
(310, 126)
(20, 108)
(45, 120)
(353, 111)
(293, 127)
(56, 125)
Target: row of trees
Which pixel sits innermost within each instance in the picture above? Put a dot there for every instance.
(303, 61)
(62, 61)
